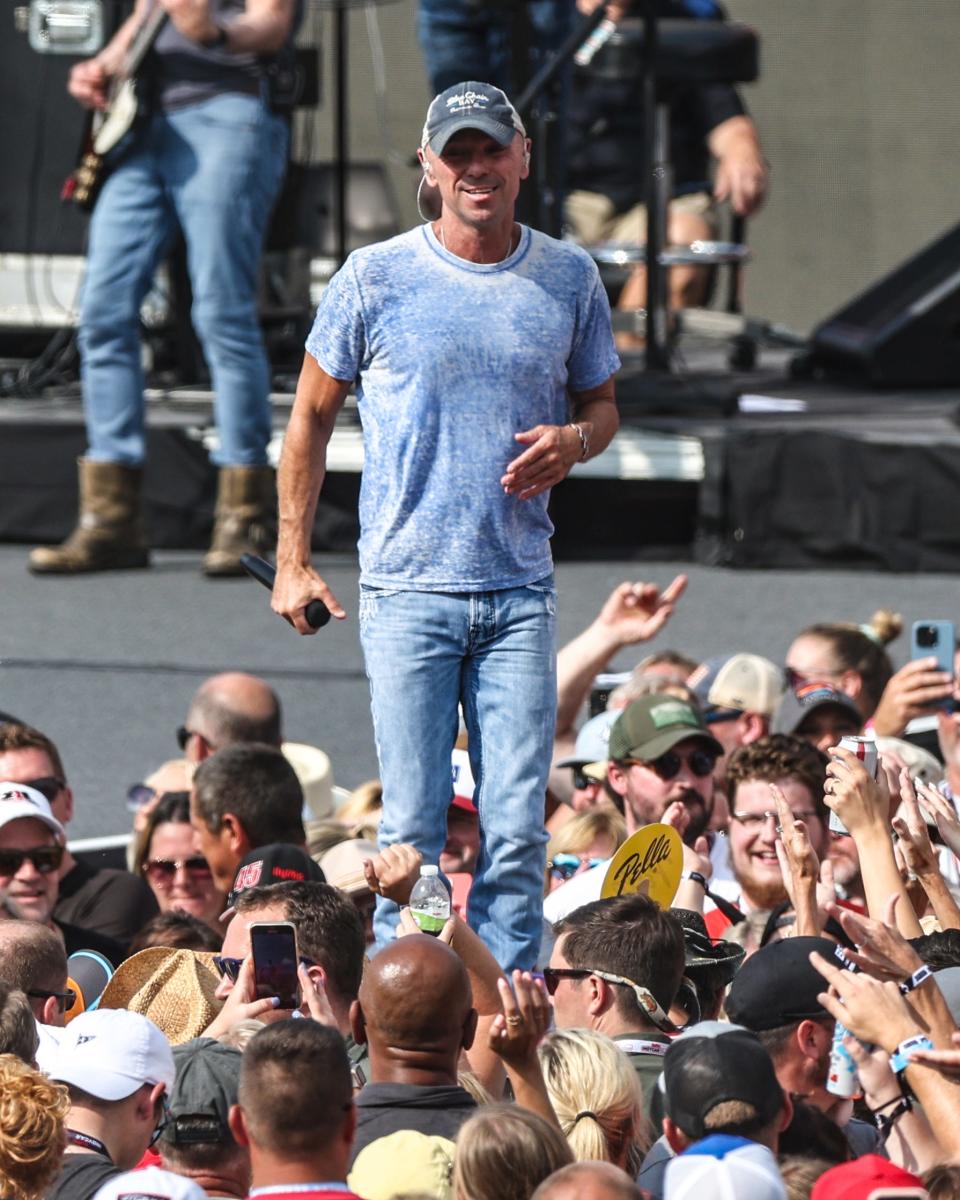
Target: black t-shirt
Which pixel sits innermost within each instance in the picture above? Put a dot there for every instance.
(81, 1177)
(185, 72)
(115, 903)
(385, 1108)
(606, 143)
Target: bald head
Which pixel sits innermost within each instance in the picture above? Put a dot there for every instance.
(32, 958)
(235, 708)
(588, 1181)
(415, 1011)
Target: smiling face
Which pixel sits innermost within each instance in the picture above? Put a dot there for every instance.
(185, 888)
(753, 854)
(479, 179)
(32, 892)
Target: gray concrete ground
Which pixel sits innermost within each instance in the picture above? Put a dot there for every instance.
(106, 664)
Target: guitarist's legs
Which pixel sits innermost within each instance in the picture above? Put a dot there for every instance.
(131, 225)
(229, 155)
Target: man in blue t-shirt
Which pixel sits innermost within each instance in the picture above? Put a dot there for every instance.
(484, 361)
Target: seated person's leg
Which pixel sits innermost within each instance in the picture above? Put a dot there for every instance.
(689, 219)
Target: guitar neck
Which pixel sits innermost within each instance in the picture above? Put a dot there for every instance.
(142, 43)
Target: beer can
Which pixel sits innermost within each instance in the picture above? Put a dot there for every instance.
(866, 750)
(842, 1079)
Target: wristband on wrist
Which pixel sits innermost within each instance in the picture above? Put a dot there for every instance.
(584, 441)
(900, 1058)
(885, 1121)
(696, 877)
(920, 975)
(886, 1104)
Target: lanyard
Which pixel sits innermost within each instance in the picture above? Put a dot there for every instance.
(639, 1046)
(88, 1142)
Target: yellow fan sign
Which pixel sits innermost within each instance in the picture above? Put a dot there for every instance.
(649, 862)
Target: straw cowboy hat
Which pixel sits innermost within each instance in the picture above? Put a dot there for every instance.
(174, 988)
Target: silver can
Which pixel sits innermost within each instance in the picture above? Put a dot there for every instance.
(866, 750)
(842, 1078)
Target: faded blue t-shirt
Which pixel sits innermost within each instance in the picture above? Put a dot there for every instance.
(452, 358)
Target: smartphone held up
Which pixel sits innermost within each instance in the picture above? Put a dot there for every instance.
(275, 962)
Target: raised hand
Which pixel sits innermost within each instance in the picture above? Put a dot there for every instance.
(516, 1033)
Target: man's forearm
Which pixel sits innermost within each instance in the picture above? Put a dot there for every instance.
(941, 899)
(299, 480)
(881, 879)
(262, 28)
(578, 662)
(114, 52)
(600, 420)
(736, 133)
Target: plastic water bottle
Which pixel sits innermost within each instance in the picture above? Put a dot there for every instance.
(430, 901)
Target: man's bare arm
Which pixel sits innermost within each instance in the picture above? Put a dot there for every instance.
(262, 28)
(300, 476)
(88, 79)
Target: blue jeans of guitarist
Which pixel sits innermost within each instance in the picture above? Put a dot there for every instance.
(214, 169)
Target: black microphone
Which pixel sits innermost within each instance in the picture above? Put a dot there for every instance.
(317, 613)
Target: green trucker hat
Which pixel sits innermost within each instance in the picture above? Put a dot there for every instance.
(653, 725)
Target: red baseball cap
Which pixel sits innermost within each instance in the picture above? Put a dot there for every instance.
(856, 1180)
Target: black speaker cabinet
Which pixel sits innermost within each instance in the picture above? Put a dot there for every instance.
(904, 331)
(41, 128)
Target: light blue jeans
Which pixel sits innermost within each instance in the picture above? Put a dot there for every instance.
(494, 653)
(213, 168)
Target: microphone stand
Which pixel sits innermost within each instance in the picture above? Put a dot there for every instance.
(550, 216)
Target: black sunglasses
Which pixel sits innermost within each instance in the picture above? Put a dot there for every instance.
(669, 765)
(229, 968)
(183, 736)
(46, 859)
(581, 782)
(49, 786)
(65, 999)
(553, 975)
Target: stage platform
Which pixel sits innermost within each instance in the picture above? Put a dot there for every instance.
(752, 469)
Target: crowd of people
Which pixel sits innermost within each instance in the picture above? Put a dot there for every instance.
(250, 1007)
(788, 1027)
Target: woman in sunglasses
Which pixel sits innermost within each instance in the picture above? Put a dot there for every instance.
(166, 855)
(586, 840)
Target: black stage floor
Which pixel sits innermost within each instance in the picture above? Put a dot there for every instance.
(751, 469)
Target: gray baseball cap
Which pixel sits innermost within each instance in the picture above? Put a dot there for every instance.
(470, 105)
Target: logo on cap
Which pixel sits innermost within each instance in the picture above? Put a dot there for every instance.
(248, 876)
(673, 712)
(464, 100)
(12, 794)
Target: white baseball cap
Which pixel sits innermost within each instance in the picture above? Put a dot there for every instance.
(17, 800)
(150, 1183)
(111, 1052)
(724, 1167)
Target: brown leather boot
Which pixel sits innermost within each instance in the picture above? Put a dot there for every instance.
(245, 519)
(109, 533)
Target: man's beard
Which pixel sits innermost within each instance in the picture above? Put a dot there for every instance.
(762, 893)
(700, 814)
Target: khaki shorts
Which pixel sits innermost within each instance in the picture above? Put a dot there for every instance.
(592, 219)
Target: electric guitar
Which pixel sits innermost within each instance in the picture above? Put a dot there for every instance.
(107, 127)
